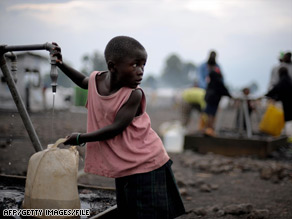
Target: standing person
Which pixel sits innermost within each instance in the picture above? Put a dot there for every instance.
(120, 141)
(284, 61)
(215, 90)
(206, 68)
(287, 63)
(283, 91)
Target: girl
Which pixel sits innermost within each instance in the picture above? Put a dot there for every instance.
(120, 141)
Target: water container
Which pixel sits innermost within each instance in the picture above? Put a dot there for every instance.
(51, 181)
(173, 136)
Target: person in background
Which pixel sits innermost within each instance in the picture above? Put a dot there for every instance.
(284, 61)
(193, 99)
(120, 141)
(206, 68)
(282, 91)
(215, 90)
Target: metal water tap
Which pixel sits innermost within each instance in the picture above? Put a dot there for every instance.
(47, 46)
(54, 72)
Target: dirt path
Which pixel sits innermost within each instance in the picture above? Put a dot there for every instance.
(212, 186)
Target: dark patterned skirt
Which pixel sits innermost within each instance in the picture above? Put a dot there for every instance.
(152, 195)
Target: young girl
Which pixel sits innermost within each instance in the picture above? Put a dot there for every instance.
(120, 142)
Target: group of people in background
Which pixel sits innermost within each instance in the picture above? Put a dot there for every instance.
(209, 88)
(208, 91)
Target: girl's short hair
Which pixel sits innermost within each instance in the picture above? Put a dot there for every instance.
(120, 47)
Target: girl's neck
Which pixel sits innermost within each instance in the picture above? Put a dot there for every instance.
(111, 83)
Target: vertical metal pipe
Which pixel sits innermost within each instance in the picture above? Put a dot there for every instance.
(247, 119)
(241, 117)
(20, 105)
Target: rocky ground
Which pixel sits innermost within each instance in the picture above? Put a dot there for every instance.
(212, 186)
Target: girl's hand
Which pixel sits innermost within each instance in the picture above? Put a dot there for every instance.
(57, 53)
(71, 139)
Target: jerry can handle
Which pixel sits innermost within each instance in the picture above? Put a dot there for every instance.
(57, 143)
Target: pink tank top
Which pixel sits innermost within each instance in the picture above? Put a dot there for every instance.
(138, 149)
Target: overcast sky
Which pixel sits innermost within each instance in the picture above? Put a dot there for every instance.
(248, 35)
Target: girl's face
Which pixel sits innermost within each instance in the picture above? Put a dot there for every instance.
(130, 70)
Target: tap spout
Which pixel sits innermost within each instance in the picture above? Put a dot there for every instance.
(53, 73)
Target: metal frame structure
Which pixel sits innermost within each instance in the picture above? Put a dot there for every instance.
(15, 93)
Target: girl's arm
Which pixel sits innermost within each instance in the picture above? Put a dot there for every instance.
(77, 77)
(123, 118)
